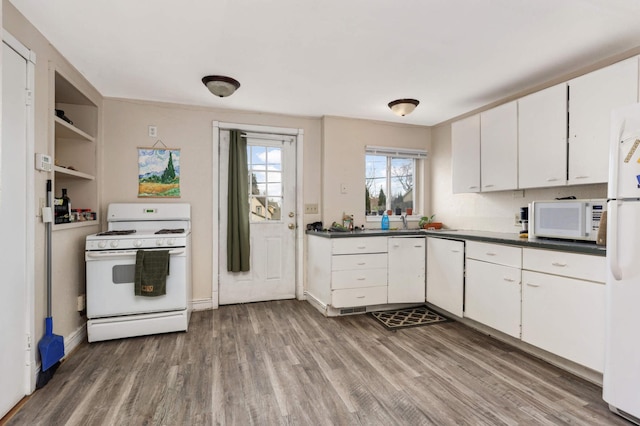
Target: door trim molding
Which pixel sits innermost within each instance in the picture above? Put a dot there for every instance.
(31, 369)
(299, 239)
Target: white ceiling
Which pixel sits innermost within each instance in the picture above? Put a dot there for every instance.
(334, 57)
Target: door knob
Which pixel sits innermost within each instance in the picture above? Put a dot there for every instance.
(291, 214)
(292, 226)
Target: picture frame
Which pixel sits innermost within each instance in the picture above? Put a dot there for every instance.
(158, 172)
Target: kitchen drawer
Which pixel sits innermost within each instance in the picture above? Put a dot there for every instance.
(358, 261)
(573, 265)
(358, 278)
(355, 245)
(359, 297)
(495, 253)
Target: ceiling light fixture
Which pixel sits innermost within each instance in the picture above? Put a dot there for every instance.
(220, 85)
(403, 107)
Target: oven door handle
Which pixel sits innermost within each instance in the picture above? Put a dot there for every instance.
(124, 253)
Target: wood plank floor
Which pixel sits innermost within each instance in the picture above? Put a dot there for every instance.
(284, 363)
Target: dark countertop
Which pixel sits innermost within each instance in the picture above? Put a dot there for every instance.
(482, 236)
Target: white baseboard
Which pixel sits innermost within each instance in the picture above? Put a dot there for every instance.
(202, 304)
(74, 339)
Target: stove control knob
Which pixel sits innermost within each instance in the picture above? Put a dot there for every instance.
(159, 242)
(171, 241)
(102, 244)
(137, 243)
(114, 243)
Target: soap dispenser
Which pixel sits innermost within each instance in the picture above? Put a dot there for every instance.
(385, 222)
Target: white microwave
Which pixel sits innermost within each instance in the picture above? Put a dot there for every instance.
(566, 219)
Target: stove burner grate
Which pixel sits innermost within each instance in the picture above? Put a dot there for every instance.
(170, 231)
(123, 232)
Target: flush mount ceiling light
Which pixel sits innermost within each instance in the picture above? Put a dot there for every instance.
(220, 85)
(403, 107)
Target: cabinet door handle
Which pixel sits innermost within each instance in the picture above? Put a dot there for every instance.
(533, 285)
(362, 263)
(362, 247)
(558, 264)
(473, 186)
(581, 177)
(360, 297)
(490, 254)
(511, 280)
(552, 179)
(455, 251)
(489, 185)
(361, 279)
(396, 245)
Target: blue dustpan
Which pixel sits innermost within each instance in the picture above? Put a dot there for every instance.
(51, 346)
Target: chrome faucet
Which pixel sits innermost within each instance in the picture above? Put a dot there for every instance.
(404, 221)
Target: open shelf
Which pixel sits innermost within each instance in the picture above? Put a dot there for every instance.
(65, 130)
(72, 173)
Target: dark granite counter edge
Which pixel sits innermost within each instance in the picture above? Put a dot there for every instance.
(481, 236)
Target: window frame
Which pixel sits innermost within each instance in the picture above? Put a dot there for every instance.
(418, 157)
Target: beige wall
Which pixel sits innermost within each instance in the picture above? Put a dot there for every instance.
(190, 129)
(488, 211)
(68, 246)
(344, 142)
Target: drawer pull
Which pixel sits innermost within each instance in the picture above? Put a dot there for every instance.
(362, 263)
(418, 246)
(511, 280)
(361, 279)
(396, 245)
(581, 177)
(489, 186)
(360, 297)
(533, 285)
(552, 179)
(455, 251)
(490, 254)
(362, 247)
(558, 264)
(473, 186)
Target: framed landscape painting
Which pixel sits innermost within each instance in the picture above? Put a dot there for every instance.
(158, 172)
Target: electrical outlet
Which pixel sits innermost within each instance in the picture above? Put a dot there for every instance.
(310, 209)
(153, 131)
(81, 303)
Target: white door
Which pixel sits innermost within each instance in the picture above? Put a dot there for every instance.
(272, 179)
(406, 282)
(13, 228)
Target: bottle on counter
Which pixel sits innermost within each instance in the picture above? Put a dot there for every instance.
(62, 208)
(385, 222)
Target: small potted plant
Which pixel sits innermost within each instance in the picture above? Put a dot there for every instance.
(427, 222)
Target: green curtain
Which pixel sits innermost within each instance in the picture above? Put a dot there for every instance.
(238, 205)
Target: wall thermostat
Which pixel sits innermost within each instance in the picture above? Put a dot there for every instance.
(44, 162)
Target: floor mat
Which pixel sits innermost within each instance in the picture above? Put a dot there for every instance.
(409, 317)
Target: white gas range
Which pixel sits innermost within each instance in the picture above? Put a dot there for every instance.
(113, 309)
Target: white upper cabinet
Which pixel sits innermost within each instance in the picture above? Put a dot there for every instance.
(591, 99)
(465, 155)
(542, 138)
(499, 148)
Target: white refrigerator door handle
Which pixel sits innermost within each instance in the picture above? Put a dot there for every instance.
(612, 246)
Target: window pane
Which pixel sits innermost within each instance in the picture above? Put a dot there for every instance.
(274, 159)
(401, 184)
(274, 208)
(258, 155)
(376, 183)
(258, 209)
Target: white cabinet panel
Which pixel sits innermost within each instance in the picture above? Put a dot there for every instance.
(492, 296)
(359, 297)
(499, 148)
(406, 270)
(591, 99)
(359, 278)
(445, 274)
(495, 253)
(542, 138)
(465, 155)
(358, 261)
(355, 245)
(564, 316)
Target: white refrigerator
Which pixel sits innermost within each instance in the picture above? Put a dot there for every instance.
(621, 383)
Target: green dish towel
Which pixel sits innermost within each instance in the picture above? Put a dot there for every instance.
(152, 268)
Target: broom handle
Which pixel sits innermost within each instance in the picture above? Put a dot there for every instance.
(48, 237)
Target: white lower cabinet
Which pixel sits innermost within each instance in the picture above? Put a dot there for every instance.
(445, 274)
(493, 286)
(492, 296)
(406, 282)
(562, 312)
